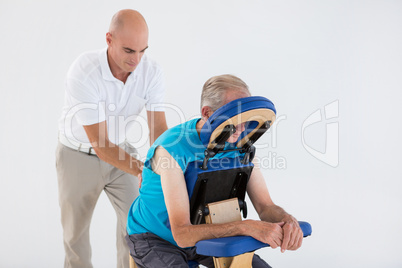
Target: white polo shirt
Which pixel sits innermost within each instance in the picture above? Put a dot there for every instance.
(93, 95)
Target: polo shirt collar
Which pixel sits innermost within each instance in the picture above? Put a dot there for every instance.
(107, 73)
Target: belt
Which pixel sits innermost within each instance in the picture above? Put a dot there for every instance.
(80, 147)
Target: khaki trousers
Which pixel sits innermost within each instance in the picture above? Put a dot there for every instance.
(81, 179)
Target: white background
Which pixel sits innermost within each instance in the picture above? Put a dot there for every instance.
(302, 55)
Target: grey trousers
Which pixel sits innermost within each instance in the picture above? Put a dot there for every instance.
(151, 251)
(81, 179)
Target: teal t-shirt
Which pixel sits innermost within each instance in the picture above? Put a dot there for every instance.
(148, 213)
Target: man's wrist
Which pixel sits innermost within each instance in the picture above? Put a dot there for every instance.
(288, 218)
(244, 227)
(136, 165)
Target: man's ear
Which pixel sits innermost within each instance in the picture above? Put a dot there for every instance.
(108, 38)
(206, 112)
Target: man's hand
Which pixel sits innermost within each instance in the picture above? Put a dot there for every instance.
(267, 232)
(140, 167)
(292, 234)
(139, 179)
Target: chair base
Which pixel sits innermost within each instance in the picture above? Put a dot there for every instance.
(132, 263)
(239, 261)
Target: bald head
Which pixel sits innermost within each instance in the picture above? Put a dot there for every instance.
(127, 41)
(127, 20)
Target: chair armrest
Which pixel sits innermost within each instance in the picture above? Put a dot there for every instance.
(236, 245)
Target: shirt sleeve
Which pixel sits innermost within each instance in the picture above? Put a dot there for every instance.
(85, 102)
(156, 93)
(174, 144)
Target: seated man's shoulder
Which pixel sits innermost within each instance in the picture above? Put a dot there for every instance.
(176, 142)
(177, 135)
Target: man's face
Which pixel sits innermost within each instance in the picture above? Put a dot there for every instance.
(239, 129)
(232, 95)
(125, 50)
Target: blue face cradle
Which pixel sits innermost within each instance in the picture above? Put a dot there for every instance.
(229, 153)
(250, 112)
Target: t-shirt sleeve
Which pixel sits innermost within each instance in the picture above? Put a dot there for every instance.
(85, 102)
(174, 146)
(156, 92)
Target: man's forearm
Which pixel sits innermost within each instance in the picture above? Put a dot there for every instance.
(157, 125)
(118, 157)
(188, 235)
(273, 213)
(156, 133)
(110, 152)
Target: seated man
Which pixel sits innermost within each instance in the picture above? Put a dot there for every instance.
(160, 233)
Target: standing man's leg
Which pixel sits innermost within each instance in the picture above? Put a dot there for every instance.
(121, 189)
(80, 184)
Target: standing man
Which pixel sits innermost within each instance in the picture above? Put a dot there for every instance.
(105, 91)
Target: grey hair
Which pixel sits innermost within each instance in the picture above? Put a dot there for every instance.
(214, 89)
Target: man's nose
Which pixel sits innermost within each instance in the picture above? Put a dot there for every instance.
(135, 58)
(241, 127)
